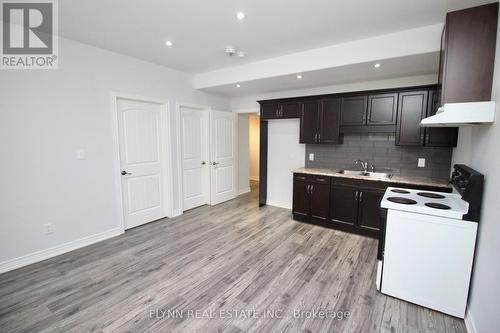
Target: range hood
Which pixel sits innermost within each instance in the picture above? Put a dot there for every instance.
(461, 114)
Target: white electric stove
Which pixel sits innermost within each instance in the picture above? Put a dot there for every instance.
(427, 242)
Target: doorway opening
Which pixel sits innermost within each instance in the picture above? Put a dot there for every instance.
(253, 150)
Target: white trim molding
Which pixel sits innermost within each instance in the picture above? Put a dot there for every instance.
(285, 205)
(247, 110)
(469, 322)
(58, 250)
(243, 190)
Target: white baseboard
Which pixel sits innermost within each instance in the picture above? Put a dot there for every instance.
(244, 190)
(469, 323)
(279, 204)
(57, 250)
(176, 212)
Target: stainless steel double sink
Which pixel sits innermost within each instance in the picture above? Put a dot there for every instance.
(367, 174)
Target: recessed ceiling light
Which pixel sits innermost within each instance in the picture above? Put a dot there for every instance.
(238, 85)
(299, 76)
(169, 43)
(240, 16)
(377, 65)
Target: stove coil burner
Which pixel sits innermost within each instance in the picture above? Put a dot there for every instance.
(400, 191)
(431, 195)
(437, 205)
(404, 201)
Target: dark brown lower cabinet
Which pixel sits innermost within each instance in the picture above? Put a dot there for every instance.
(344, 205)
(347, 204)
(356, 209)
(369, 209)
(311, 198)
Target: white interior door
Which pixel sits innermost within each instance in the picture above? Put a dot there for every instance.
(142, 161)
(223, 133)
(195, 157)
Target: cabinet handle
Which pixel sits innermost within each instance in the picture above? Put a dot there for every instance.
(316, 137)
(319, 137)
(357, 194)
(360, 196)
(308, 189)
(312, 188)
(281, 113)
(276, 113)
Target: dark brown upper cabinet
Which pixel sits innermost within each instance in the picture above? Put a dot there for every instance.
(309, 122)
(319, 122)
(412, 109)
(353, 110)
(468, 54)
(372, 113)
(382, 109)
(438, 136)
(280, 110)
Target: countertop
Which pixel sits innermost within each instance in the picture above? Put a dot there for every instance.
(422, 181)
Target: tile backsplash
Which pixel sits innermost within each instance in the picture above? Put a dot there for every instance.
(381, 151)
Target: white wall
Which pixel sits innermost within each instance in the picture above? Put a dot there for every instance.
(284, 155)
(45, 116)
(243, 163)
(254, 146)
(481, 150)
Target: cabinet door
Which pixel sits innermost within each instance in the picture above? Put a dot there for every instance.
(309, 122)
(344, 204)
(269, 111)
(353, 110)
(438, 136)
(382, 109)
(329, 125)
(320, 201)
(369, 209)
(290, 110)
(301, 198)
(412, 108)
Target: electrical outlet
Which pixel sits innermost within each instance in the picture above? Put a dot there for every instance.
(311, 157)
(47, 228)
(421, 162)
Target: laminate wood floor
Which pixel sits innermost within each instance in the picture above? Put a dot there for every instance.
(234, 261)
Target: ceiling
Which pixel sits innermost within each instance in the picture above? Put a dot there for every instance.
(201, 29)
(419, 64)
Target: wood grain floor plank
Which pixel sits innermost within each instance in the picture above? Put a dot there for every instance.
(221, 259)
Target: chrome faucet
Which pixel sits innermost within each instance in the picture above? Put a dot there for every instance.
(365, 165)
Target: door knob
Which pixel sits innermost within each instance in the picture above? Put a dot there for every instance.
(203, 163)
(215, 163)
(125, 173)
